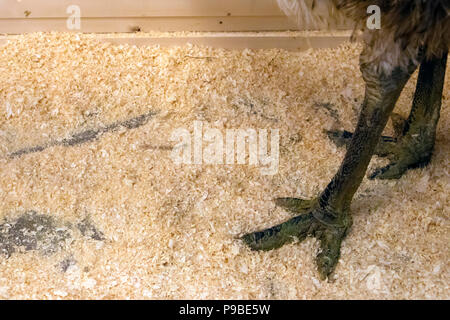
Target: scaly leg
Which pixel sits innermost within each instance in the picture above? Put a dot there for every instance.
(328, 217)
(414, 147)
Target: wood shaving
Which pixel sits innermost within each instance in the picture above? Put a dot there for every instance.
(170, 231)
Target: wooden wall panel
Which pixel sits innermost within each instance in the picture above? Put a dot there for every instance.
(106, 16)
(146, 15)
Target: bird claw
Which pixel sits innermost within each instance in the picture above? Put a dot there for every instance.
(300, 227)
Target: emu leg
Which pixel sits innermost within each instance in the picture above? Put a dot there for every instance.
(415, 147)
(328, 218)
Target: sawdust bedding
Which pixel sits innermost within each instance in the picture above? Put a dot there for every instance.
(167, 231)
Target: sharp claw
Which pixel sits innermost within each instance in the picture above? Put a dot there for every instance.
(339, 138)
(250, 239)
(391, 171)
(328, 257)
(294, 205)
(325, 265)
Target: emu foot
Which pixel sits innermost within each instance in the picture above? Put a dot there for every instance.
(312, 222)
(409, 151)
(385, 147)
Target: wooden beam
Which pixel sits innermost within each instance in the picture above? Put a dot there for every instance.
(108, 25)
(138, 8)
(227, 40)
